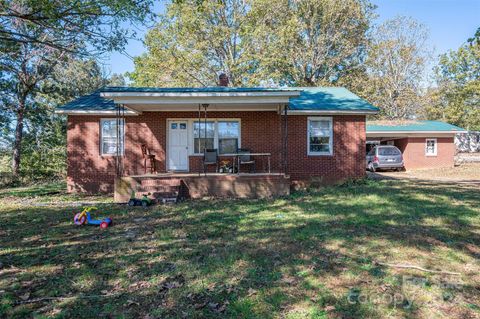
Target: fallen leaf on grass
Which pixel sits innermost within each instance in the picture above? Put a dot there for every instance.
(218, 307)
(200, 305)
(251, 291)
(130, 303)
(172, 283)
(288, 280)
(329, 308)
(25, 296)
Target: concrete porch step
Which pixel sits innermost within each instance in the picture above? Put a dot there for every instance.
(158, 189)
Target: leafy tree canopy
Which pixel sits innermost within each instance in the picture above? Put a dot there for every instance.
(306, 42)
(457, 98)
(76, 26)
(396, 67)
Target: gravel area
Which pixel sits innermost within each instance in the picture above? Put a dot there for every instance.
(466, 173)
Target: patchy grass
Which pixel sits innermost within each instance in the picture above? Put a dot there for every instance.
(41, 190)
(46, 193)
(311, 255)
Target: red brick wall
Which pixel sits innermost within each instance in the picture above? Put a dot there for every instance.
(347, 161)
(413, 149)
(88, 171)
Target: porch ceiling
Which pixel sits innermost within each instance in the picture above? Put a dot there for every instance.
(184, 107)
(189, 101)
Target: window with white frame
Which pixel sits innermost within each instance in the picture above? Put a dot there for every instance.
(223, 135)
(108, 136)
(228, 134)
(431, 147)
(203, 136)
(320, 136)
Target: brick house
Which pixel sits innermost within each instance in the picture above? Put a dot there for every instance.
(424, 144)
(295, 135)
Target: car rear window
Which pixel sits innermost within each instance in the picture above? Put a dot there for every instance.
(386, 151)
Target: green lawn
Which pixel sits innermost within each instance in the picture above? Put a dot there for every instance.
(312, 255)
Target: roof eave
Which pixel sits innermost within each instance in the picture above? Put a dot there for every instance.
(413, 133)
(96, 112)
(332, 112)
(200, 94)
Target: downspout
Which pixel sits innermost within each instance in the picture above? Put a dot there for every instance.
(199, 118)
(205, 106)
(285, 148)
(120, 121)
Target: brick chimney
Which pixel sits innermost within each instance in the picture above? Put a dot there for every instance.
(223, 80)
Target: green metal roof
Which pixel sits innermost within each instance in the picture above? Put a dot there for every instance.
(91, 102)
(310, 99)
(329, 99)
(411, 126)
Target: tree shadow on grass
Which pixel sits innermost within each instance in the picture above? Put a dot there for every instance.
(258, 258)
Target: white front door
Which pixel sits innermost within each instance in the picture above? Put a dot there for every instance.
(178, 145)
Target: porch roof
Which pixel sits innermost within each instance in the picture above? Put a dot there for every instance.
(301, 100)
(411, 126)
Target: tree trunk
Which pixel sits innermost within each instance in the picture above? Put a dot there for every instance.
(17, 146)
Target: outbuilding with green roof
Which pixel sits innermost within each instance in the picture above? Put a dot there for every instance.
(424, 144)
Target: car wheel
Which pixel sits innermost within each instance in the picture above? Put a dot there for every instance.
(371, 168)
(104, 225)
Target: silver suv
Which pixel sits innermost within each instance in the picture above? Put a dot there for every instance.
(384, 157)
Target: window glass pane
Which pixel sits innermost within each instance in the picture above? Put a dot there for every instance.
(319, 136)
(109, 136)
(385, 151)
(430, 147)
(201, 143)
(109, 128)
(199, 131)
(199, 128)
(228, 129)
(320, 148)
(228, 133)
(319, 127)
(227, 145)
(183, 126)
(110, 146)
(174, 126)
(319, 140)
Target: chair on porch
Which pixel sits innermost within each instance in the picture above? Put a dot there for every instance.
(244, 158)
(210, 157)
(148, 157)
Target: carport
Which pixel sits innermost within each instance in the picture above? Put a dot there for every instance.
(424, 144)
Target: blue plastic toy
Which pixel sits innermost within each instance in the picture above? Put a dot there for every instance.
(84, 218)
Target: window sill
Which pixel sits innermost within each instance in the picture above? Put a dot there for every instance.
(201, 155)
(319, 154)
(431, 155)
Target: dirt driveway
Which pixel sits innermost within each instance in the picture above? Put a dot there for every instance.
(465, 174)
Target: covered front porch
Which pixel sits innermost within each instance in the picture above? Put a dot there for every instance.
(199, 144)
